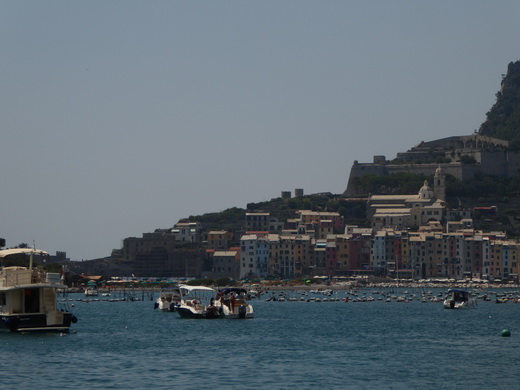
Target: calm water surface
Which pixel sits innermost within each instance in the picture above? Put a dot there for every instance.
(289, 345)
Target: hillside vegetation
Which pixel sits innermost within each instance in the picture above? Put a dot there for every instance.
(282, 209)
(503, 120)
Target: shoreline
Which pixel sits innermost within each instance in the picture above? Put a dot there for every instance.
(420, 286)
(342, 286)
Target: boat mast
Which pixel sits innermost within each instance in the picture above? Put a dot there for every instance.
(31, 256)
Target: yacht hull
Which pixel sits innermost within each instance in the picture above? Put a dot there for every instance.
(186, 312)
(36, 323)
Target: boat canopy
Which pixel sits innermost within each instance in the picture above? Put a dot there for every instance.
(196, 288)
(457, 295)
(15, 251)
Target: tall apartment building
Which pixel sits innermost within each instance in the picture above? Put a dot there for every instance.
(262, 222)
(257, 222)
(504, 259)
(342, 252)
(254, 255)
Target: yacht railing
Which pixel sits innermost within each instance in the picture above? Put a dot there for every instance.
(17, 277)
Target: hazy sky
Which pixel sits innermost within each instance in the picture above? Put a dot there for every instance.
(120, 117)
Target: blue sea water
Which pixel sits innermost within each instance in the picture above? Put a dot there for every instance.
(288, 345)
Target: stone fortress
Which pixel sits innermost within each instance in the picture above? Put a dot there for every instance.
(461, 156)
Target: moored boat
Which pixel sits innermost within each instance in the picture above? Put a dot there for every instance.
(459, 299)
(168, 300)
(232, 303)
(28, 297)
(197, 302)
(92, 289)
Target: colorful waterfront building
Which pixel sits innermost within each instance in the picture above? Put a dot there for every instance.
(254, 255)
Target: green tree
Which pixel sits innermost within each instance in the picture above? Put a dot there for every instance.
(465, 159)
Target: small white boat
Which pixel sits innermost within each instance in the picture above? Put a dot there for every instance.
(91, 290)
(459, 299)
(204, 302)
(168, 300)
(232, 303)
(197, 302)
(28, 297)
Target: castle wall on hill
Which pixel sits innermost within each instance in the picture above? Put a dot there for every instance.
(513, 164)
(496, 163)
(492, 163)
(359, 170)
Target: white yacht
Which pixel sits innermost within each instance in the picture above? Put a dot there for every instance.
(28, 296)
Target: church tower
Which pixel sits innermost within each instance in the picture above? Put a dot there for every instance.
(439, 184)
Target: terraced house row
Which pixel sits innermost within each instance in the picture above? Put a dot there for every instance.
(320, 244)
(466, 253)
(428, 253)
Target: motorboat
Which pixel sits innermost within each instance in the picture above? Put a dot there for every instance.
(91, 290)
(459, 299)
(197, 302)
(28, 296)
(168, 300)
(233, 303)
